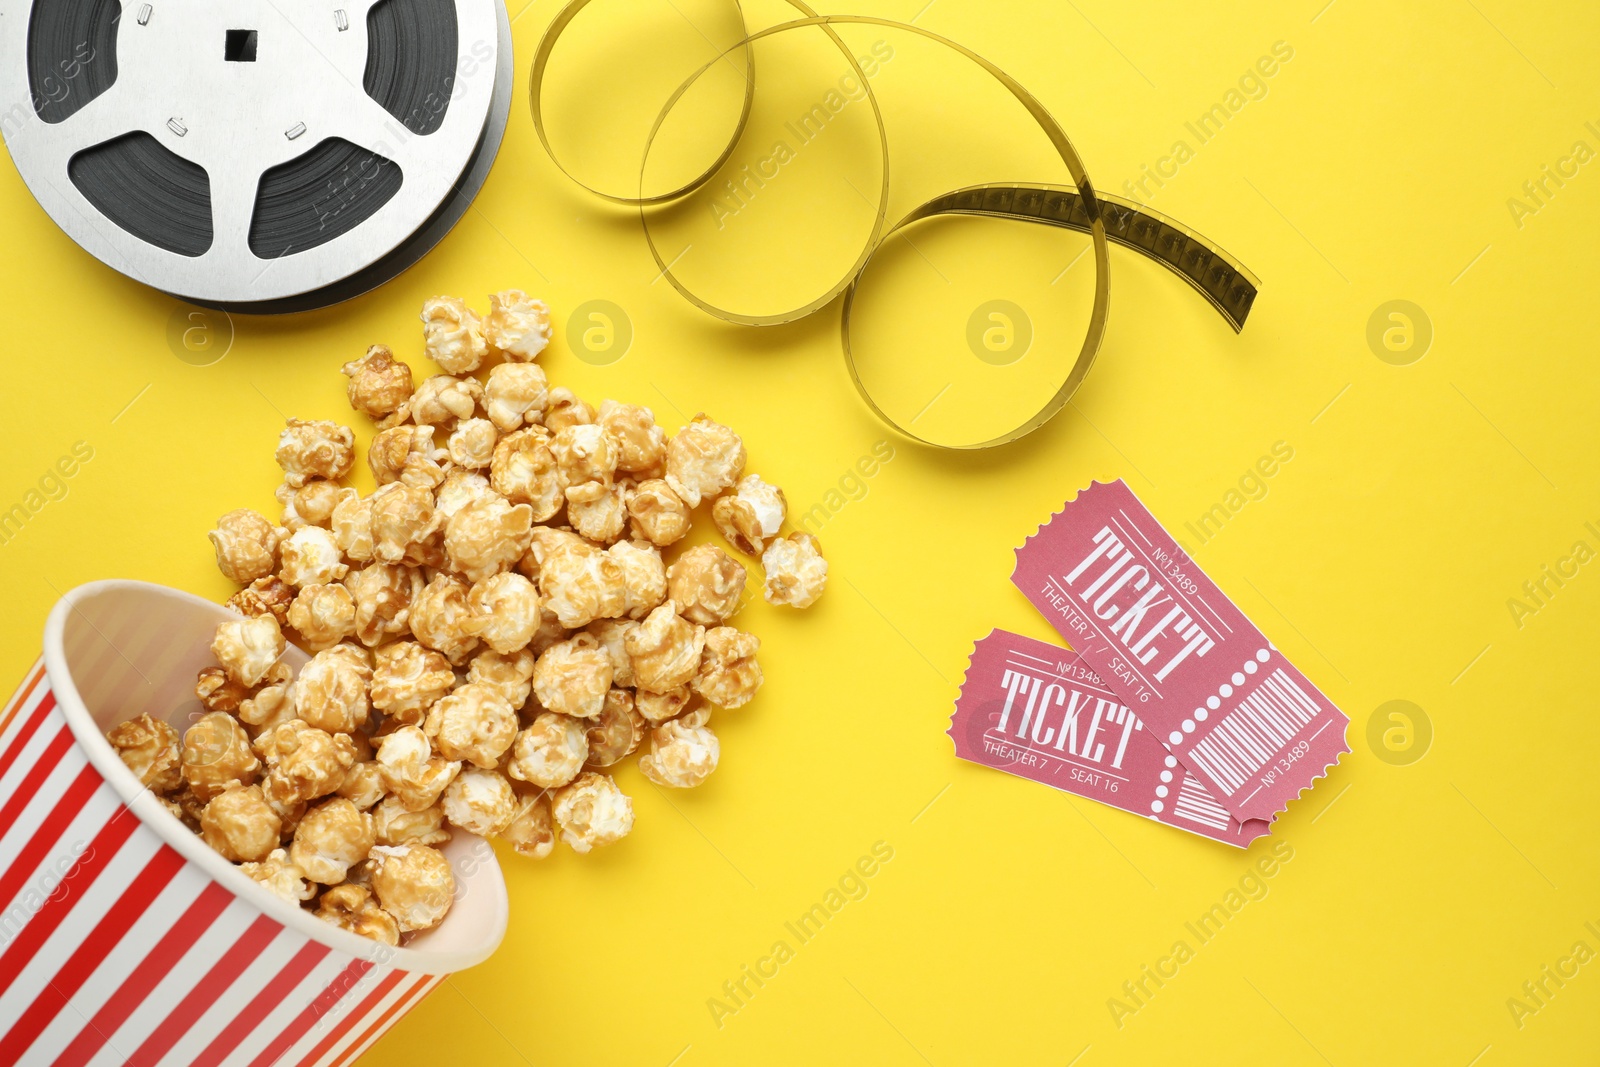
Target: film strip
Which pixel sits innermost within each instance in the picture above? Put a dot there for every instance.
(262, 158)
(1225, 283)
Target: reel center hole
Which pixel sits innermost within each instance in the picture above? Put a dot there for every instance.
(239, 46)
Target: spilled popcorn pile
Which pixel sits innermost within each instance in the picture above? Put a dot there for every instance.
(492, 629)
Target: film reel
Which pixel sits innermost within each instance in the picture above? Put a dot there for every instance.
(264, 156)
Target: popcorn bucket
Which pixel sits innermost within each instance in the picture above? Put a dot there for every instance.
(124, 939)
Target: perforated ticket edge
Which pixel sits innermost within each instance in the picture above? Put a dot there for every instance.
(1170, 719)
(1159, 788)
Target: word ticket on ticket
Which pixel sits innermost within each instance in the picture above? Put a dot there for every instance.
(1036, 711)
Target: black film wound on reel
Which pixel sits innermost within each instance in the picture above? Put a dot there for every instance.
(252, 156)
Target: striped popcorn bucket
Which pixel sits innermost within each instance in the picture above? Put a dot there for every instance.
(123, 938)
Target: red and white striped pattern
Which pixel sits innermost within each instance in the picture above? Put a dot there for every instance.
(114, 950)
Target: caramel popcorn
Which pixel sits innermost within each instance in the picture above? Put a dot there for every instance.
(333, 835)
(479, 801)
(323, 615)
(216, 754)
(592, 811)
(644, 576)
(331, 692)
(750, 516)
(310, 763)
(408, 454)
(151, 750)
(565, 409)
(509, 675)
(406, 680)
(452, 335)
(442, 399)
(352, 907)
(383, 594)
(584, 453)
(310, 505)
(529, 831)
(665, 649)
(411, 771)
(703, 459)
(486, 536)
(350, 522)
(729, 675)
(394, 825)
(379, 384)
(278, 740)
(596, 511)
(362, 785)
(656, 512)
(657, 708)
(247, 648)
(471, 443)
(264, 596)
(315, 449)
(413, 883)
(524, 471)
(459, 488)
(706, 584)
(796, 571)
(246, 545)
(549, 753)
(217, 692)
(681, 756)
(502, 660)
(640, 444)
(281, 876)
(402, 516)
(518, 327)
(309, 556)
(271, 705)
(240, 824)
(474, 724)
(437, 616)
(581, 583)
(618, 731)
(543, 543)
(612, 635)
(573, 676)
(515, 393)
(389, 451)
(505, 612)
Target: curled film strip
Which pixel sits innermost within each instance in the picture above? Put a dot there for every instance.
(262, 157)
(1222, 280)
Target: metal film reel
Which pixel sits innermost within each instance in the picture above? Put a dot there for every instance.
(260, 155)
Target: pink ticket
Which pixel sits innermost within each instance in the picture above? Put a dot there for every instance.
(1037, 711)
(1216, 692)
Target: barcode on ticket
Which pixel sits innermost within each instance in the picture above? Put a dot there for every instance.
(1196, 805)
(1254, 731)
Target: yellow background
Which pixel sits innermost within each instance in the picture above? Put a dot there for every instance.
(1419, 500)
